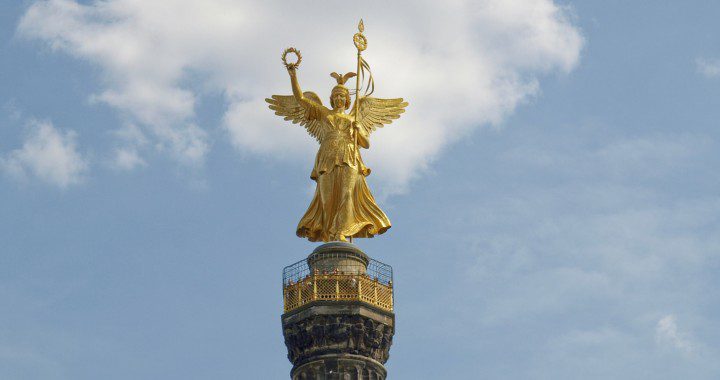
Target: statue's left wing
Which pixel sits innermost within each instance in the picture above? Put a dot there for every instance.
(309, 117)
(375, 113)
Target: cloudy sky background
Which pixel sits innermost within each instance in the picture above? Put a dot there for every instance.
(553, 186)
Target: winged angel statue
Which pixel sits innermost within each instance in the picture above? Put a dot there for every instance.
(342, 206)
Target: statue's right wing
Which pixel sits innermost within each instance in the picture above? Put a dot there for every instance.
(309, 116)
(375, 113)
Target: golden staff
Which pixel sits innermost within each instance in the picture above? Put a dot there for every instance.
(361, 44)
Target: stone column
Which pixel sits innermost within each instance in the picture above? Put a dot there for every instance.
(338, 339)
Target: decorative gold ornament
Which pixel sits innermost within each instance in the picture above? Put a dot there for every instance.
(360, 41)
(296, 64)
(342, 206)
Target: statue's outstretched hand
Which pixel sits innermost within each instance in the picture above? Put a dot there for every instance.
(291, 65)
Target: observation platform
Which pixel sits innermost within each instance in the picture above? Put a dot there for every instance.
(333, 274)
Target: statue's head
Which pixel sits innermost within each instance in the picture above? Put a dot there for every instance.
(340, 95)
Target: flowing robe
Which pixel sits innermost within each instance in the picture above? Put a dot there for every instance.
(342, 205)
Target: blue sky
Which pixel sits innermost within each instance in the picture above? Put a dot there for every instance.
(553, 186)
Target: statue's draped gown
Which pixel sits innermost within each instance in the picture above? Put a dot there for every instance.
(342, 205)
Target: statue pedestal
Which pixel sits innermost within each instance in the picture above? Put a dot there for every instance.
(339, 321)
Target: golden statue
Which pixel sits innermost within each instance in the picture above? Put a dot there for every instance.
(342, 206)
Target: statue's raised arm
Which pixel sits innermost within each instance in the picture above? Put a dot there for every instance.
(304, 108)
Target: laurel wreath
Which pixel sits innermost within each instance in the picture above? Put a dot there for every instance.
(291, 65)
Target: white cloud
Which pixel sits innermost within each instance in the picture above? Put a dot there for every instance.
(666, 333)
(708, 67)
(459, 64)
(48, 154)
(127, 157)
(131, 134)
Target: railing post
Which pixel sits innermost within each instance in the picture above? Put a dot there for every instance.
(337, 288)
(299, 293)
(314, 280)
(376, 296)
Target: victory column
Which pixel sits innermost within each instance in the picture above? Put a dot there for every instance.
(338, 302)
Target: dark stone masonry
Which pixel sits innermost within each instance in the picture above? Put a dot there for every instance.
(338, 340)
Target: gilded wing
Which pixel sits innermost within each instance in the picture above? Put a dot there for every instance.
(375, 112)
(309, 117)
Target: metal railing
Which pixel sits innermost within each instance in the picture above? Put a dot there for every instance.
(372, 285)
